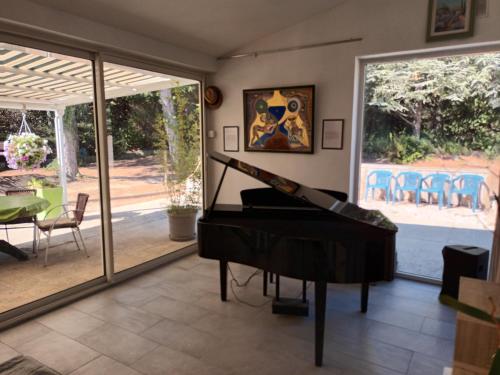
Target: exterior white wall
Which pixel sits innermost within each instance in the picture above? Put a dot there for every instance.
(36, 17)
(385, 25)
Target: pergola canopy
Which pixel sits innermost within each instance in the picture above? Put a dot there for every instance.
(39, 80)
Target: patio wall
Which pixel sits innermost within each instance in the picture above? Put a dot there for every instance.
(491, 180)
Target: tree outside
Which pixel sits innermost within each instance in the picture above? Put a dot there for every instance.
(443, 107)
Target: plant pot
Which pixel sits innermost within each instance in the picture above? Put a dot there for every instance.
(182, 225)
(55, 197)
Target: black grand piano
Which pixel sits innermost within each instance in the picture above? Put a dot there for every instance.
(299, 232)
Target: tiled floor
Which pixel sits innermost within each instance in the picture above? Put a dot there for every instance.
(171, 321)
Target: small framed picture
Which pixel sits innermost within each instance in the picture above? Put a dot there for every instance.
(449, 19)
(333, 134)
(482, 8)
(231, 138)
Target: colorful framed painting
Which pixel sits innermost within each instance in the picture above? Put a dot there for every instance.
(449, 19)
(279, 119)
(332, 135)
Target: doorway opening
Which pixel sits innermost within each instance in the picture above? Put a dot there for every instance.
(430, 154)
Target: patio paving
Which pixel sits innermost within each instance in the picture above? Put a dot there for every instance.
(140, 233)
(425, 230)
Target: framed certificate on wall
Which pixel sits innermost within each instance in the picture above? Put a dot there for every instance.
(333, 134)
(231, 138)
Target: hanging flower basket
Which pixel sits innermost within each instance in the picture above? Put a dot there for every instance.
(25, 150)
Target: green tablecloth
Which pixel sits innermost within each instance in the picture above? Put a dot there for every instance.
(15, 206)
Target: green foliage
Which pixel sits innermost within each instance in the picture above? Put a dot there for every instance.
(40, 183)
(405, 149)
(135, 121)
(183, 131)
(453, 103)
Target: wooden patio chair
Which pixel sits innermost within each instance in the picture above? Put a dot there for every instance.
(69, 219)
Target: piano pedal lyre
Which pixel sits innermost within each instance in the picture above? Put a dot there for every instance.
(290, 306)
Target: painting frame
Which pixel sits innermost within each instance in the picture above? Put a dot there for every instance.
(236, 146)
(309, 108)
(327, 144)
(433, 32)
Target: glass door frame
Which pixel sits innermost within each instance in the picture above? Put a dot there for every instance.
(152, 66)
(97, 56)
(357, 129)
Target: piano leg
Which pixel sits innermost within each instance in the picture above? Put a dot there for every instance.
(223, 280)
(277, 287)
(304, 291)
(271, 275)
(264, 276)
(320, 297)
(364, 297)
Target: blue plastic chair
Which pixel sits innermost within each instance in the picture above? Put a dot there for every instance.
(382, 181)
(468, 184)
(411, 182)
(434, 183)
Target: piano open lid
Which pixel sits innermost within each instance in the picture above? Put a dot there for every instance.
(304, 193)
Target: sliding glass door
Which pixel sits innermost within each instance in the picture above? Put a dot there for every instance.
(100, 171)
(50, 217)
(154, 159)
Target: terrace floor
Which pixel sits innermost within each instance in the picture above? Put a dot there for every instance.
(140, 234)
(425, 230)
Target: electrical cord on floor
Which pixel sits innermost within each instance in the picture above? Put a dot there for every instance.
(235, 281)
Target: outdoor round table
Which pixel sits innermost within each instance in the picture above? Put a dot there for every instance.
(16, 206)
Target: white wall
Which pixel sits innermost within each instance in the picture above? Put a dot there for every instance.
(385, 26)
(25, 14)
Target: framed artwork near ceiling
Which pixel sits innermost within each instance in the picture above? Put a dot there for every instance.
(231, 138)
(449, 19)
(332, 135)
(279, 119)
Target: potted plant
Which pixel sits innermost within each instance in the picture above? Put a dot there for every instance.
(51, 192)
(25, 151)
(184, 203)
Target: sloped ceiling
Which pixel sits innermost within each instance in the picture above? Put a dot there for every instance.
(215, 27)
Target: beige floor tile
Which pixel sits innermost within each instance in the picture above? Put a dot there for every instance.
(178, 292)
(23, 333)
(164, 360)
(58, 352)
(105, 366)
(444, 330)
(6, 353)
(93, 303)
(130, 318)
(411, 340)
(425, 365)
(128, 295)
(118, 343)
(181, 337)
(175, 310)
(70, 322)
